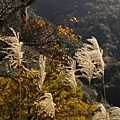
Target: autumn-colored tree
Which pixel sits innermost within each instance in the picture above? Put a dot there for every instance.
(51, 40)
(23, 94)
(26, 85)
(67, 103)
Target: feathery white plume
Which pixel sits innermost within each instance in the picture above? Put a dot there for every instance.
(42, 64)
(89, 60)
(70, 70)
(46, 105)
(42, 74)
(13, 51)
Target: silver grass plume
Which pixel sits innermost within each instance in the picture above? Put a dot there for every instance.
(70, 70)
(46, 105)
(89, 60)
(14, 53)
(102, 114)
(42, 74)
(42, 65)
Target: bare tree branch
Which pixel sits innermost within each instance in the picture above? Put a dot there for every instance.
(10, 8)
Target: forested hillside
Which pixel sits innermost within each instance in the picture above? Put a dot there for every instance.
(98, 18)
(59, 59)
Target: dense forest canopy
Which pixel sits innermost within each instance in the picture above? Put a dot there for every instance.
(97, 18)
(51, 64)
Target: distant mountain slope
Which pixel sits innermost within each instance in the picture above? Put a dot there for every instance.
(98, 18)
(48, 8)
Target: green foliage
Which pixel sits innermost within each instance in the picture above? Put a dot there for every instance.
(112, 78)
(68, 104)
(10, 98)
(88, 6)
(19, 92)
